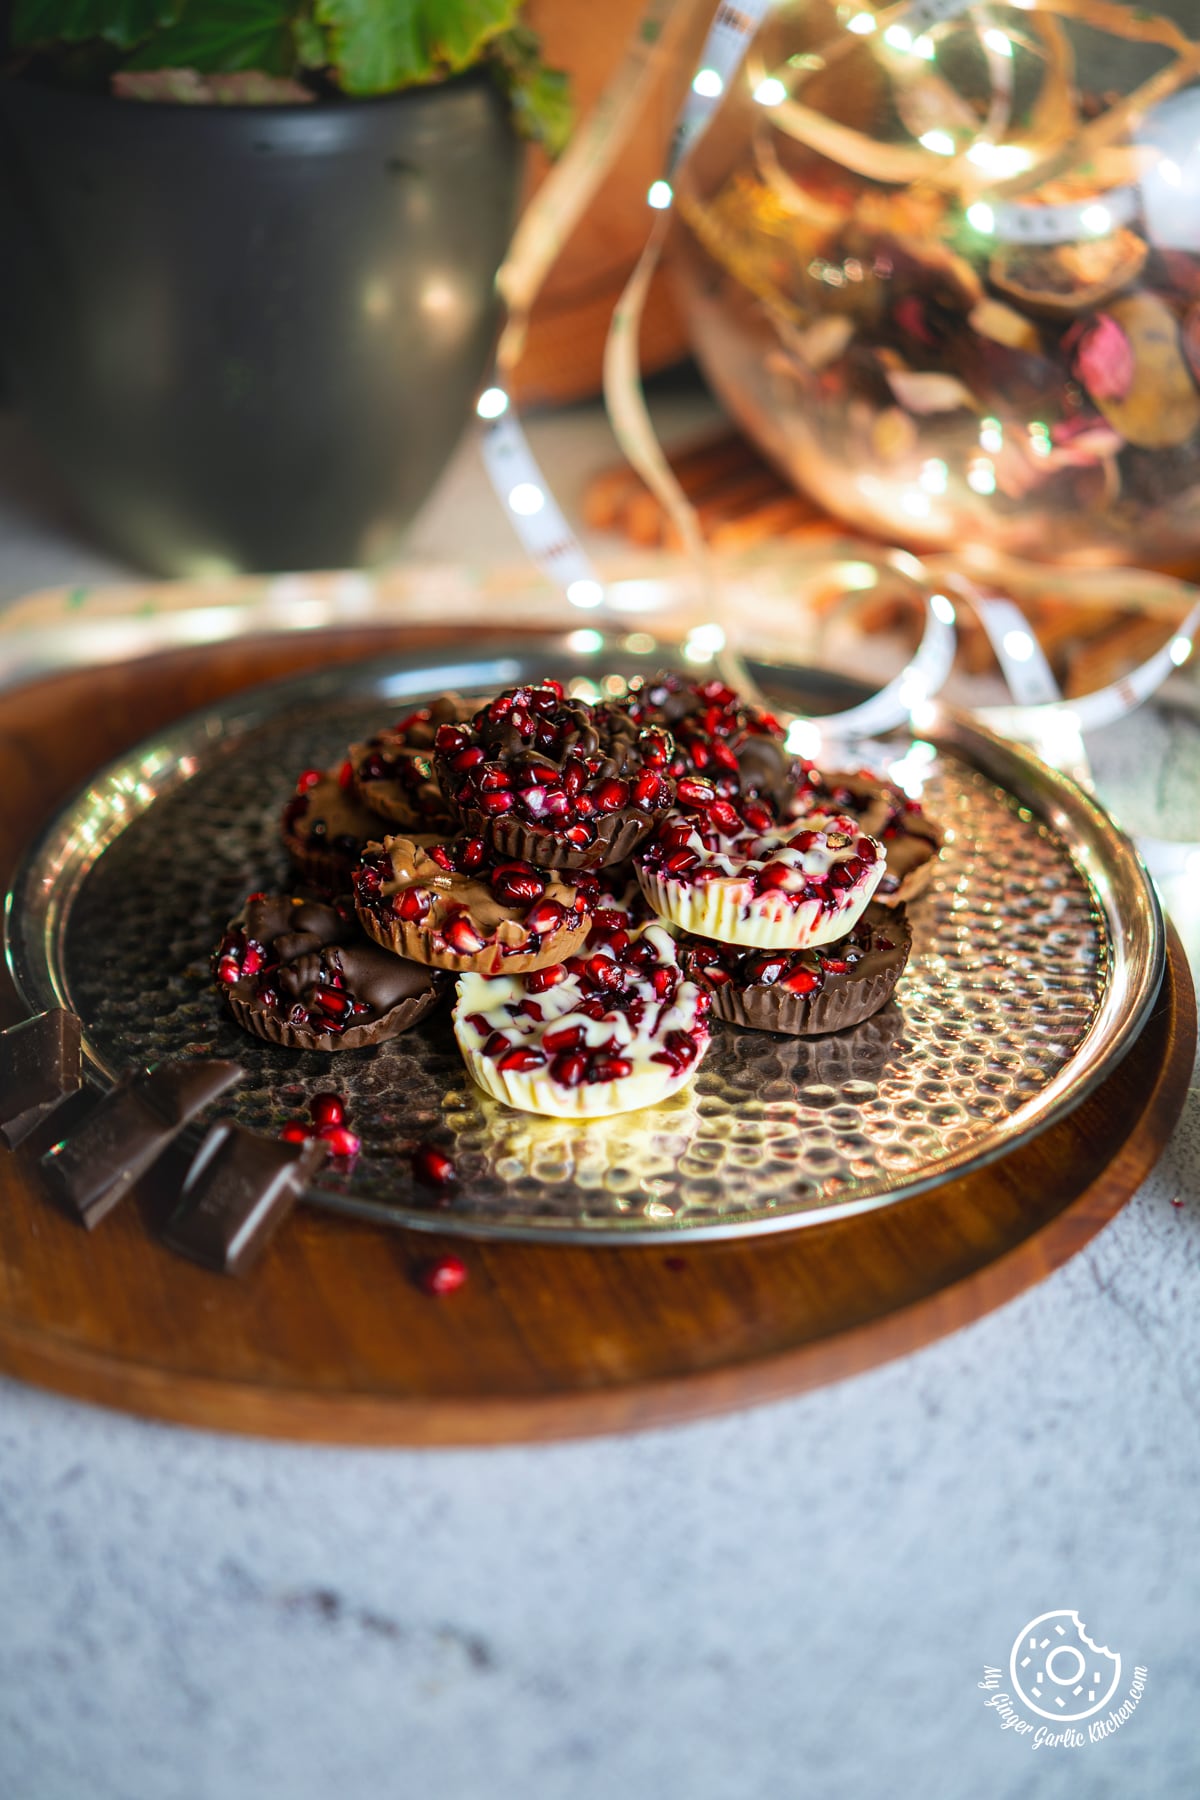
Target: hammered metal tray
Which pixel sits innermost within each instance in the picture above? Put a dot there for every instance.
(1038, 952)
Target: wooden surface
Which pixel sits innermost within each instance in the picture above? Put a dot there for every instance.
(331, 1338)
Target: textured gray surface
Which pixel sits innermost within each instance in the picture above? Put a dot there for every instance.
(795, 1601)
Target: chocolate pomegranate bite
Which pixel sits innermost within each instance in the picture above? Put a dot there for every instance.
(393, 770)
(615, 1028)
(455, 907)
(553, 781)
(733, 745)
(732, 872)
(805, 993)
(299, 973)
(911, 839)
(325, 826)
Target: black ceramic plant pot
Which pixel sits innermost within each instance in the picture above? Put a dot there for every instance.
(249, 337)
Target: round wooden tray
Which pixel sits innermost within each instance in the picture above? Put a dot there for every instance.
(331, 1338)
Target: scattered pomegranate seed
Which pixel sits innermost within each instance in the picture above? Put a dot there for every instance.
(445, 1276)
(432, 1166)
(308, 779)
(296, 1132)
(341, 1141)
(327, 1109)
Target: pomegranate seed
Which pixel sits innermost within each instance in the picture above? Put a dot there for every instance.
(493, 779)
(725, 818)
(469, 758)
(568, 1070)
(610, 1068)
(574, 775)
(522, 887)
(763, 971)
(449, 740)
(529, 1009)
(462, 936)
(327, 1109)
(834, 965)
(563, 1037)
(496, 1045)
(333, 1001)
(544, 917)
(558, 804)
(445, 1276)
(779, 875)
(432, 1166)
(757, 817)
(346, 776)
(645, 789)
(680, 862)
(724, 757)
(295, 1132)
(579, 835)
(612, 795)
(411, 905)
(663, 981)
(521, 1061)
(228, 970)
(538, 980)
(655, 747)
(308, 779)
(533, 799)
(802, 981)
(499, 801)
(341, 1141)
(695, 793)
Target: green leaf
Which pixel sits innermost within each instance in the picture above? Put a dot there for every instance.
(120, 22)
(220, 35)
(380, 45)
(540, 97)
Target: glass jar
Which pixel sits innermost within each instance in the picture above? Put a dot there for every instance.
(943, 264)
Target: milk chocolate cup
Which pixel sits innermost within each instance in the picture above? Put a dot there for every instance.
(265, 1022)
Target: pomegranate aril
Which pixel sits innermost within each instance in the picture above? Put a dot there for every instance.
(466, 759)
(533, 800)
(779, 875)
(449, 740)
(327, 1109)
(228, 970)
(645, 789)
(834, 965)
(695, 793)
(432, 1166)
(333, 1001)
(346, 776)
(603, 972)
(472, 853)
(539, 980)
(499, 801)
(802, 981)
(521, 888)
(341, 1141)
(680, 862)
(462, 937)
(545, 916)
(411, 905)
(497, 1044)
(563, 1037)
(440, 854)
(611, 795)
(579, 835)
(296, 1132)
(664, 982)
(723, 756)
(757, 817)
(725, 817)
(522, 1061)
(569, 1069)
(574, 775)
(609, 1068)
(492, 779)
(445, 1276)
(762, 971)
(308, 779)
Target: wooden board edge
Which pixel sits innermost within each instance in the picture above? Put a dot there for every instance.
(203, 1403)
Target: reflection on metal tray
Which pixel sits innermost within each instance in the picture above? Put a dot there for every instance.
(1037, 955)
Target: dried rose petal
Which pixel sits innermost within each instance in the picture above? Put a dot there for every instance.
(1103, 359)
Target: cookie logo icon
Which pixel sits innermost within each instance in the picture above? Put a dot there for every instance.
(1057, 1670)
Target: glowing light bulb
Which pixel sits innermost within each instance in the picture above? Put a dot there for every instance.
(491, 403)
(526, 499)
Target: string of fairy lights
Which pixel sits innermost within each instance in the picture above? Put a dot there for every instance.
(981, 167)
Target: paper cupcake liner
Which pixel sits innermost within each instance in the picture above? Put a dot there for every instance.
(320, 866)
(262, 1022)
(413, 942)
(595, 1100)
(836, 1007)
(617, 837)
(724, 910)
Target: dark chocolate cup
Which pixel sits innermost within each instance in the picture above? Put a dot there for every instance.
(844, 1000)
(264, 1022)
(319, 865)
(412, 942)
(618, 835)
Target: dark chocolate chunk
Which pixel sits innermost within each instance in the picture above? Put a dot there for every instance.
(126, 1133)
(238, 1191)
(39, 1068)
